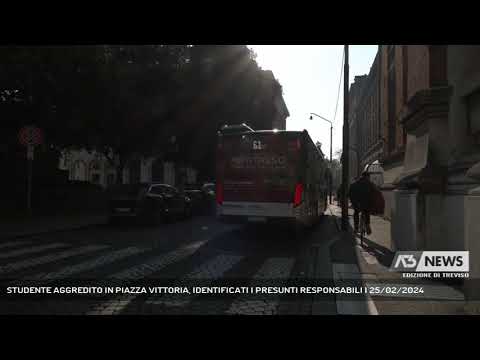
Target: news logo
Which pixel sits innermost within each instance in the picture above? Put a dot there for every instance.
(431, 263)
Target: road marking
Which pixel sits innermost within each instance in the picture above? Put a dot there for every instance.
(31, 250)
(211, 270)
(273, 268)
(88, 265)
(138, 272)
(20, 265)
(14, 244)
(343, 272)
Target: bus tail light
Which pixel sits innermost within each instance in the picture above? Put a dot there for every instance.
(298, 194)
(219, 194)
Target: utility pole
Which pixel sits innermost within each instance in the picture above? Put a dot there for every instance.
(331, 164)
(346, 145)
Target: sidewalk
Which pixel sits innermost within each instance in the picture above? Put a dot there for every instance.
(374, 260)
(46, 224)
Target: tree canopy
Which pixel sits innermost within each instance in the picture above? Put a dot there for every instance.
(133, 99)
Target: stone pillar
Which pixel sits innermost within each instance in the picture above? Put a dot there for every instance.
(418, 212)
(472, 242)
(464, 161)
(464, 76)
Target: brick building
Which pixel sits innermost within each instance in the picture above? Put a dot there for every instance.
(392, 98)
(414, 109)
(355, 94)
(429, 126)
(436, 196)
(364, 121)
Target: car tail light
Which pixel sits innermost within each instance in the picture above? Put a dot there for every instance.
(298, 194)
(219, 194)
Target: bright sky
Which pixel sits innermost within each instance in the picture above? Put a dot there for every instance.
(309, 75)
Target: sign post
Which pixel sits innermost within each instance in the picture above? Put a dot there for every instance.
(30, 149)
(30, 136)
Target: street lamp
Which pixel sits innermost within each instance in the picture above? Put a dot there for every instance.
(331, 164)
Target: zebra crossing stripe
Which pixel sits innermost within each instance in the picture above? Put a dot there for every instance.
(31, 250)
(14, 244)
(139, 272)
(88, 265)
(273, 268)
(212, 270)
(24, 264)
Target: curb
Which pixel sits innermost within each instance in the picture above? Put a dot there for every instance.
(371, 308)
(45, 232)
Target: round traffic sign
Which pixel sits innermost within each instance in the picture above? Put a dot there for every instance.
(30, 135)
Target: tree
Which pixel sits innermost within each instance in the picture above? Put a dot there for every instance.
(133, 99)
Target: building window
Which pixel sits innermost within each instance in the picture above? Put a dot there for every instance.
(96, 178)
(79, 171)
(110, 179)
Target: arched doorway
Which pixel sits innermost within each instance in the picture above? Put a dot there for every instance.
(158, 171)
(79, 171)
(110, 173)
(135, 171)
(95, 172)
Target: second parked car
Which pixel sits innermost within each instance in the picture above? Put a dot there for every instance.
(151, 202)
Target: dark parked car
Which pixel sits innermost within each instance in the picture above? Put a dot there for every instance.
(194, 192)
(209, 190)
(150, 202)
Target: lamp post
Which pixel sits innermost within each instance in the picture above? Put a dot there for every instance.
(331, 164)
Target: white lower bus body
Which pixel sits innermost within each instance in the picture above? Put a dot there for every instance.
(270, 212)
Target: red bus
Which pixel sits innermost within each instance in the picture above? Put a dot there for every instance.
(270, 175)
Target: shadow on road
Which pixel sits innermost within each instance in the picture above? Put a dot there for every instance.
(271, 240)
(382, 254)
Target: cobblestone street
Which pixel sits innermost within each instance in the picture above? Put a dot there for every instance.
(200, 251)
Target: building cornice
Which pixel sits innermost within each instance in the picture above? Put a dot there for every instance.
(427, 104)
(393, 158)
(374, 149)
